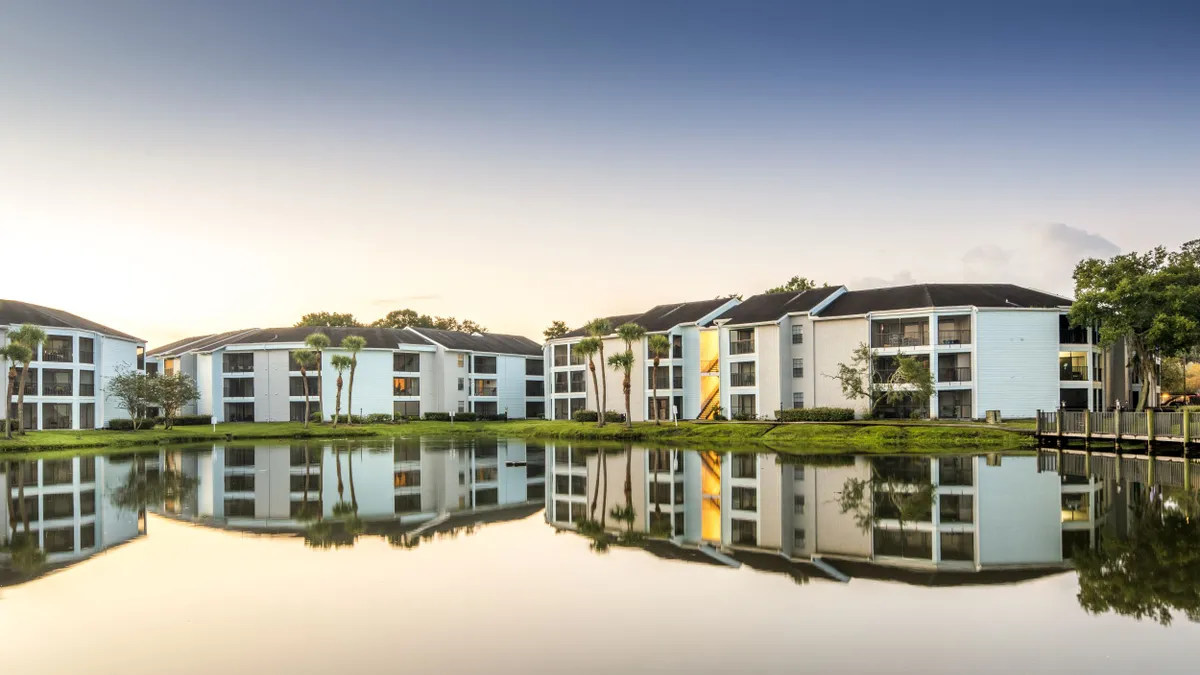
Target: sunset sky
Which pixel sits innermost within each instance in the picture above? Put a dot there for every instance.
(171, 169)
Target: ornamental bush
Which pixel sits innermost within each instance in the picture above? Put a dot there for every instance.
(437, 417)
(815, 415)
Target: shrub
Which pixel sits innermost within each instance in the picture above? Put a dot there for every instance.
(316, 417)
(465, 417)
(379, 418)
(127, 425)
(815, 415)
(610, 416)
(437, 417)
(349, 419)
(585, 416)
(191, 420)
(501, 417)
(405, 418)
(742, 417)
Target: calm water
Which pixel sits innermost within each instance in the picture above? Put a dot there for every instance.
(423, 555)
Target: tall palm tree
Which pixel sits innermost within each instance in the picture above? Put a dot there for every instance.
(10, 356)
(305, 358)
(658, 346)
(587, 348)
(629, 334)
(340, 363)
(353, 344)
(32, 337)
(623, 361)
(8, 502)
(598, 328)
(319, 342)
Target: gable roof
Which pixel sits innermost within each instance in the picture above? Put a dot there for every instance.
(663, 317)
(377, 338)
(200, 343)
(919, 296)
(772, 306)
(480, 342)
(15, 312)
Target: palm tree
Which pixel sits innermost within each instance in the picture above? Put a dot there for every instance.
(10, 356)
(8, 502)
(305, 359)
(32, 337)
(629, 334)
(623, 361)
(340, 363)
(319, 342)
(598, 328)
(353, 344)
(659, 346)
(587, 348)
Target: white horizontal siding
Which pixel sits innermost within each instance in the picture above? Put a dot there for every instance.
(1016, 361)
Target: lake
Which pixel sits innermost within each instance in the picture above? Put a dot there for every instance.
(513, 556)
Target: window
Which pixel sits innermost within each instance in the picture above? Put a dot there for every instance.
(658, 377)
(1075, 506)
(535, 388)
(798, 473)
(406, 451)
(1072, 366)
(958, 546)
(1071, 335)
(56, 415)
(743, 532)
(304, 454)
(296, 385)
(899, 332)
(87, 415)
(406, 362)
(799, 540)
(578, 381)
(742, 405)
(743, 465)
(170, 366)
(486, 408)
(87, 503)
(677, 377)
(462, 384)
(485, 365)
(242, 482)
(406, 386)
(409, 478)
(956, 471)
(30, 416)
(462, 361)
(87, 469)
(239, 387)
(58, 349)
(58, 472)
(677, 346)
(744, 498)
(299, 482)
(797, 367)
(741, 374)
(87, 383)
(152, 368)
(31, 507)
(535, 367)
(141, 358)
(577, 404)
(59, 540)
(797, 399)
(906, 544)
(535, 491)
(741, 341)
(462, 406)
(87, 350)
(576, 357)
(560, 355)
(239, 457)
(87, 536)
(798, 505)
(561, 409)
(296, 410)
(238, 362)
(484, 387)
(797, 334)
(58, 506)
(411, 409)
(56, 382)
(410, 503)
(486, 474)
(957, 508)
(239, 508)
(294, 366)
(31, 381)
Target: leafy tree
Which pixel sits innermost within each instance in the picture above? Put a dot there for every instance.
(887, 497)
(794, 285)
(659, 346)
(911, 378)
(598, 328)
(10, 355)
(1151, 300)
(404, 318)
(329, 319)
(556, 329)
(171, 393)
(623, 362)
(318, 343)
(587, 348)
(133, 391)
(340, 363)
(353, 344)
(305, 359)
(1151, 573)
(141, 489)
(32, 337)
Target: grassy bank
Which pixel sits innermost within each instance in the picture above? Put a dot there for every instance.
(873, 437)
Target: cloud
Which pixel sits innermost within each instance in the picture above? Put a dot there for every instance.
(1045, 257)
(1072, 242)
(902, 278)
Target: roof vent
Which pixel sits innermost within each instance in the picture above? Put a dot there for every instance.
(476, 334)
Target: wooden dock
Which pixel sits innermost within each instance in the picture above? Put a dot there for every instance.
(1150, 427)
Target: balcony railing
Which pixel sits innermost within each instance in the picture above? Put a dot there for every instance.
(741, 379)
(954, 412)
(1073, 374)
(1073, 336)
(954, 336)
(741, 347)
(906, 339)
(87, 389)
(56, 389)
(56, 355)
(485, 391)
(955, 374)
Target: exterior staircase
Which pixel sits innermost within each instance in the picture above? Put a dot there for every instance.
(709, 409)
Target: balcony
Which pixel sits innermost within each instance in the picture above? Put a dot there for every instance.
(954, 336)
(1073, 374)
(56, 389)
(954, 374)
(892, 333)
(482, 389)
(737, 347)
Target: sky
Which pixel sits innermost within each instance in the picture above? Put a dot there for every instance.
(172, 169)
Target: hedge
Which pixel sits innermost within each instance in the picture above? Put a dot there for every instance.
(191, 420)
(127, 424)
(591, 416)
(815, 415)
(348, 419)
(742, 417)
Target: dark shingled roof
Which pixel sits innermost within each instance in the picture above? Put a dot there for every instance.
(482, 342)
(772, 306)
(201, 343)
(663, 317)
(934, 577)
(377, 338)
(919, 296)
(16, 313)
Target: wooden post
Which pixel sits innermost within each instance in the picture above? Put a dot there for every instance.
(1087, 428)
(1150, 464)
(1038, 425)
(1117, 426)
(1187, 429)
(1149, 432)
(1058, 454)
(1187, 473)
(1087, 462)
(1058, 422)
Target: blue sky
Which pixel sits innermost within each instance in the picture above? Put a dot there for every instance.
(519, 162)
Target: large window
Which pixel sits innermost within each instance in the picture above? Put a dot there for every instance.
(409, 503)
(59, 540)
(660, 377)
(406, 386)
(87, 469)
(239, 387)
(238, 362)
(409, 478)
(239, 412)
(741, 341)
(560, 355)
(797, 399)
(485, 365)
(58, 349)
(744, 498)
(797, 334)
(742, 405)
(239, 508)
(560, 382)
(677, 377)
(31, 381)
(410, 409)
(1072, 366)
(956, 471)
(535, 388)
(56, 382)
(296, 385)
(743, 532)
(1071, 335)
(87, 535)
(535, 367)
(87, 383)
(904, 544)
(743, 465)
(239, 457)
(958, 546)
(58, 506)
(56, 415)
(294, 366)
(87, 415)
(486, 408)
(535, 410)
(741, 374)
(406, 362)
(677, 346)
(562, 409)
(87, 503)
(87, 349)
(484, 387)
(296, 409)
(406, 450)
(58, 472)
(30, 416)
(578, 381)
(239, 482)
(957, 508)
(899, 332)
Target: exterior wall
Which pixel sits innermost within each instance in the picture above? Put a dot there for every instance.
(1018, 512)
(834, 342)
(836, 533)
(691, 373)
(808, 383)
(769, 373)
(510, 385)
(204, 384)
(1016, 361)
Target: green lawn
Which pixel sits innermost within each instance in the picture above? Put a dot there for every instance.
(872, 437)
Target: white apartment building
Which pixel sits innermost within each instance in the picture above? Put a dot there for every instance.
(679, 376)
(64, 388)
(249, 375)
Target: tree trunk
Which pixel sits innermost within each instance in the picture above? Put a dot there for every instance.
(604, 386)
(596, 489)
(353, 494)
(628, 409)
(629, 486)
(654, 403)
(337, 404)
(321, 384)
(8, 501)
(1146, 366)
(596, 386)
(8, 407)
(341, 487)
(657, 503)
(350, 393)
(21, 401)
(304, 379)
(21, 499)
(307, 477)
(604, 495)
